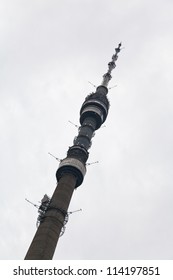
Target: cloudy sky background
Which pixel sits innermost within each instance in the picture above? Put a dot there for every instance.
(49, 51)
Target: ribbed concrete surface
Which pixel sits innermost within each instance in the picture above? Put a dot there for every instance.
(47, 235)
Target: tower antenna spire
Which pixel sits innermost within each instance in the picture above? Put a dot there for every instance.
(111, 65)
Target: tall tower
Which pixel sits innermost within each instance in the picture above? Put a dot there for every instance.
(71, 171)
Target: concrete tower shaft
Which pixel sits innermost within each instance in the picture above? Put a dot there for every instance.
(93, 113)
(45, 240)
(71, 170)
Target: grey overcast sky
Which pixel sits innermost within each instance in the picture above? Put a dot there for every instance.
(49, 50)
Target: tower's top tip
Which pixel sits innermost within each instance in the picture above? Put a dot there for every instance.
(118, 49)
(111, 65)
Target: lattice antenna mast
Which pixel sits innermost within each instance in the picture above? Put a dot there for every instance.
(111, 65)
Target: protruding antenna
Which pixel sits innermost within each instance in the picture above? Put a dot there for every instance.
(58, 159)
(111, 65)
(92, 84)
(74, 124)
(112, 87)
(75, 211)
(66, 220)
(35, 205)
(90, 163)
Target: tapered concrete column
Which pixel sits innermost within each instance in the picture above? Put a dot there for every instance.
(72, 169)
(47, 235)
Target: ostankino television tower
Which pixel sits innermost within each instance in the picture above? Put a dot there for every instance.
(71, 171)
